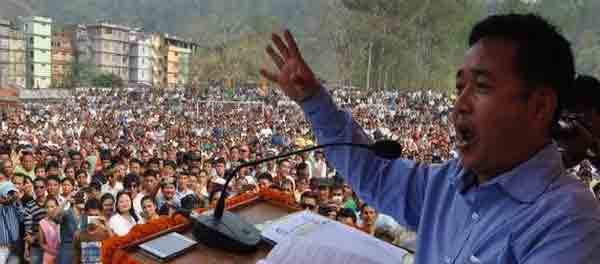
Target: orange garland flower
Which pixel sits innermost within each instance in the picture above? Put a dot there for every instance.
(113, 249)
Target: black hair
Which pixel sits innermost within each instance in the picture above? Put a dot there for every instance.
(587, 93)
(147, 198)
(347, 212)
(131, 210)
(190, 201)
(266, 176)
(93, 203)
(543, 55)
(309, 194)
(52, 164)
(53, 178)
(39, 179)
(72, 181)
(152, 173)
(136, 160)
(129, 179)
(107, 196)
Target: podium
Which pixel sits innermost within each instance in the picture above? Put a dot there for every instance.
(256, 208)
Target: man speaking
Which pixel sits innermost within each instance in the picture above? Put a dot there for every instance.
(506, 199)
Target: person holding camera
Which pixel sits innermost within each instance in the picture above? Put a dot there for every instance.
(88, 241)
(10, 218)
(578, 130)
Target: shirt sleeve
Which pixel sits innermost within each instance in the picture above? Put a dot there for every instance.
(574, 241)
(394, 187)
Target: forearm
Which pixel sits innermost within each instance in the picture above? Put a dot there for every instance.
(394, 187)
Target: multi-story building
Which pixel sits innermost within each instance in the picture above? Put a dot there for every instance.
(16, 71)
(178, 60)
(5, 29)
(110, 48)
(62, 59)
(159, 60)
(140, 59)
(38, 38)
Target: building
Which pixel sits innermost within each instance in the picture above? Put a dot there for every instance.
(179, 52)
(38, 58)
(110, 48)
(140, 59)
(5, 29)
(159, 60)
(17, 48)
(62, 59)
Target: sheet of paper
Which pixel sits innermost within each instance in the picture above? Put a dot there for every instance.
(310, 238)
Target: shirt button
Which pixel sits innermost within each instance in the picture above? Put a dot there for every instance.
(447, 259)
(475, 216)
(474, 259)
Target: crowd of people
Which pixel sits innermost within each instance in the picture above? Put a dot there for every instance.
(75, 173)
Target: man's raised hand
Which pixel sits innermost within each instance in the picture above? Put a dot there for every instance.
(295, 78)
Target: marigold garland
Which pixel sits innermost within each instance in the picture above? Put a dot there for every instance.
(113, 249)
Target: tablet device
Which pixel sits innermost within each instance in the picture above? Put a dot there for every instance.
(168, 246)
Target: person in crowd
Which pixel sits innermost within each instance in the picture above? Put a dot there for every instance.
(125, 217)
(498, 152)
(70, 171)
(49, 235)
(265, 180)
(113, 184)
(83, 180)
(53, 189)
(18, 180)
(68, 188)
(27, 165)
(167, 201)
(368, 217)
(308, 201)
(88, 241)
(347, 216)
(34, 212)
(69, 220)
(108, 205)
(150, 210)
(40, 172)
(133, 186)
(11, 214)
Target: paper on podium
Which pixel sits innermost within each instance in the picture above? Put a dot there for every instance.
(311, 238)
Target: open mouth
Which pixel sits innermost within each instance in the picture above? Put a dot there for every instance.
(465, 136)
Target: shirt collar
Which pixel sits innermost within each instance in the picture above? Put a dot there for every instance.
(526, 182)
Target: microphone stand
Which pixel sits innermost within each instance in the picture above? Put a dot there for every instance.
(226, 230)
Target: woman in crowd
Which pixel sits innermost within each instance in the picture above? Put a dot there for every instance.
(124, 218)
(49, 232)
(108, 205)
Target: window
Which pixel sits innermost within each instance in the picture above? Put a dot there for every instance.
(108, 31)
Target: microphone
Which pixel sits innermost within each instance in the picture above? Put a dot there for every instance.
(226, 230)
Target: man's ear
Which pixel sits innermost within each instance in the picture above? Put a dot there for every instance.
(543, 103)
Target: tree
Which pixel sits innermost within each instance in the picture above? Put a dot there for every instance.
(107, 80)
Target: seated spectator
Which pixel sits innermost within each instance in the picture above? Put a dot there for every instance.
(88, 241)
(125, 217)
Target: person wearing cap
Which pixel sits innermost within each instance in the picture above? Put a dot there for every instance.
(11, 216)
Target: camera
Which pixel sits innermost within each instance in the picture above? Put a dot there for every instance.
(582, 98)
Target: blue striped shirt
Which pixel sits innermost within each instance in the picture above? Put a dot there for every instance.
(10, 221)
(534, 213)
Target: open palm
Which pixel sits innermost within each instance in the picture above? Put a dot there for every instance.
(295, 78)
